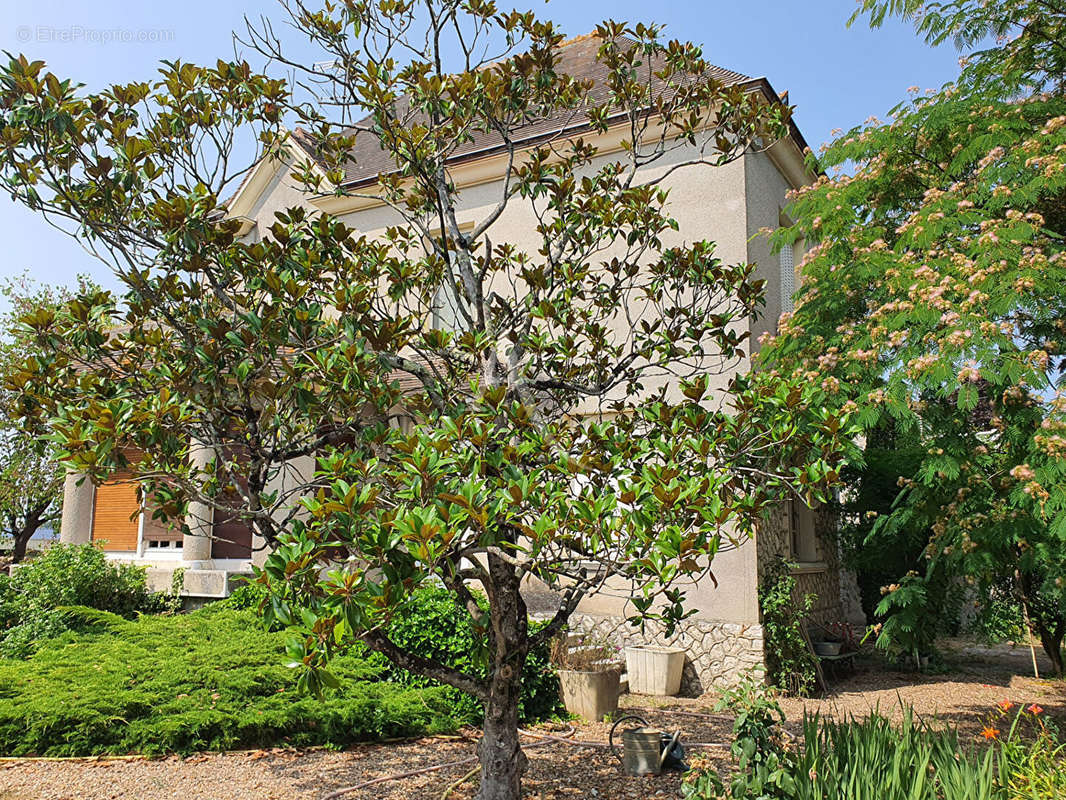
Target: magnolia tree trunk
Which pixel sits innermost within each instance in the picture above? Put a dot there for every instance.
(500, 752)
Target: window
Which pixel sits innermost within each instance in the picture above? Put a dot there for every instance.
(802, 540)
(788, 276)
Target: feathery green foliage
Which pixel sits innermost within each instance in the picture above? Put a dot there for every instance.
(33, 600)
(209, 680)
(934, 301)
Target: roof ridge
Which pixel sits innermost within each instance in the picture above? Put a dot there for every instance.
(580, 38)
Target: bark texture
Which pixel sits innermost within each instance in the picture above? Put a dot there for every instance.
(500, 752)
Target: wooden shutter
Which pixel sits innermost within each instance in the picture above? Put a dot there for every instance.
(116, 513)
(231, 538)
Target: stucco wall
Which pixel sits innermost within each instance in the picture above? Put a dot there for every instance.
(765, 202)
(713, 203)
(727, 205)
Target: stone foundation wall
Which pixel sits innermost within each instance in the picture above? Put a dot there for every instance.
(717, 653)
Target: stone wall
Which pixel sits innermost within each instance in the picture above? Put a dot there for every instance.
(821, 578)
(717, 653)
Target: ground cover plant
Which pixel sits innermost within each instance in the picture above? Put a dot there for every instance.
(33, 600)
(213, 679)
(81, 680)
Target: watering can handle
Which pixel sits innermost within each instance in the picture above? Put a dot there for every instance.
(668, 748)
(617, 722)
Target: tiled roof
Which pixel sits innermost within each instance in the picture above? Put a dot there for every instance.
(576, 57)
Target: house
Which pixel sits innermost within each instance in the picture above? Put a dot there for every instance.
(730, 205)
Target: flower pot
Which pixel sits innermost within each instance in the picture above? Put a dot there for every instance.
(654, 670)
(592, 695)
(828, 648)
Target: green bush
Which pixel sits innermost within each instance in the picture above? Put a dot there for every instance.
(247, 596)
(763, 766)
(431, 625)
(789, 663)
(1032, 759)
(911, 620)
(208, 680)
(999, 617)
(33, 600)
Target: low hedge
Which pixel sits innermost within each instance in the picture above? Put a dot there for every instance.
(32, 600)
(209, 680)
(432, 625)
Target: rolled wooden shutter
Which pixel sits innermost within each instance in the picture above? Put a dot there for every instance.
(232, 538)
(116, 513)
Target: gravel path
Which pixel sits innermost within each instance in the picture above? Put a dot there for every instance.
(556, 771)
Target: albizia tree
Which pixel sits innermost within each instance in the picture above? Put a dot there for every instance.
(935, 297)
(562, 427)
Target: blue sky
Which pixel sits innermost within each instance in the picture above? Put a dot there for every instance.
(836, 76)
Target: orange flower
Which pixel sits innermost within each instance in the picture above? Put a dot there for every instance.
(1035, 709)
(1005, 705)
(990, 733)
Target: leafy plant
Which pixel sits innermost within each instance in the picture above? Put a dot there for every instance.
(999, 617)
(1030, 752)
(858, 759)
(910, 622)
(33, 600)
(790, 666)
(247, 595)
(873, 759)
(763, 763)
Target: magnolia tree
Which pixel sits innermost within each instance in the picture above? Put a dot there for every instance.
(934, 302)
(223, 362)
(563, 427)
